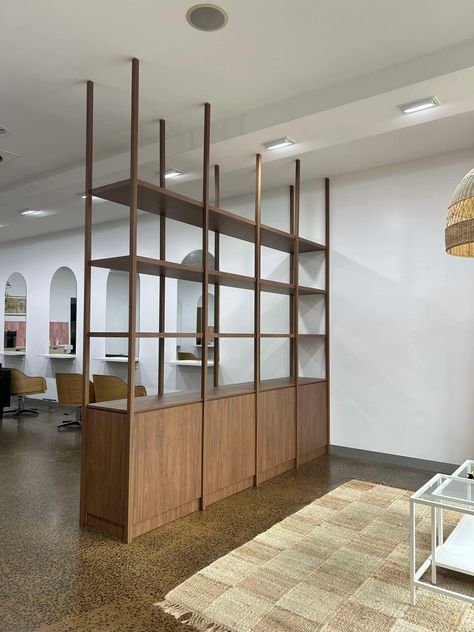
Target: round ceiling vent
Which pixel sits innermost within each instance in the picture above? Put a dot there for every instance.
(206, 17)
(3, 131)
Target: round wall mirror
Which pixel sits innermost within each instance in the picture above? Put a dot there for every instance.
(15, 315)
(63, 312)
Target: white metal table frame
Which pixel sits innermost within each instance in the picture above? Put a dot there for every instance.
(437, 532)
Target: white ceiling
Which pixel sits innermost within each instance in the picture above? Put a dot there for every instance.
(329, 73)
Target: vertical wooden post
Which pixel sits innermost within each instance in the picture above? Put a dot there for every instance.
(87, 293)
(162, 313)
(217, 289)
(327, 202)
(205, 292)
(292, 280)
(296, 281)
(256, 375)
(132, 314)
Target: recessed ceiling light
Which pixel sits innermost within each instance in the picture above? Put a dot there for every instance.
(206, 17)
(420, 104)
(172, 173)
(96, 199)
(33, 212)
(279, 143)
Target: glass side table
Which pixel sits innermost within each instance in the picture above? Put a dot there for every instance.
(456, 553)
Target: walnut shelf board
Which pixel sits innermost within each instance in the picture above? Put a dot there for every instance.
(159, 201)
(155, 267)
(276, 287)
(306, 245)
(182, 398)
(154, 199)
(217, 277)
(306, 291)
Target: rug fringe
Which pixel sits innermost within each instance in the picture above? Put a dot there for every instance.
(189, 618)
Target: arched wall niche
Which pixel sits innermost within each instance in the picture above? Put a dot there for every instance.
(189, 309)
(63, 312)
(15, 311)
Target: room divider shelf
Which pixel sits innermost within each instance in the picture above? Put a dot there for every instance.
(149, 460)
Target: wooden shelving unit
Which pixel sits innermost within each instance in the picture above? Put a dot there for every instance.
(149, 460)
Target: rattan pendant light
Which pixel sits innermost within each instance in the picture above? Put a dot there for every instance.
(460, 221)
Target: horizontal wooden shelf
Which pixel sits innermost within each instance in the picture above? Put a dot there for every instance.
(181, 398)
(232, 225)
(307, 335)
(310, 380)
(229, 279)
(306, 245)
(145, 334)
(219, 334)
(276, 383)
(160, 201)
(276, 287)
(150, 402)
(155, 267)
(154, 199)
(287, 335)
(230, 390)
(276, 239)
(306, 291)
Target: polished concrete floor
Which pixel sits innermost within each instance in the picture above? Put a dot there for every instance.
(57, 576)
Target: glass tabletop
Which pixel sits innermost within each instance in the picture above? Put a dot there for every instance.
(448, 491)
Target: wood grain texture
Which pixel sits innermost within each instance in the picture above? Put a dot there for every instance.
(166, 470)
(106, 484)
(229, 443)
(312, 418)
(276, 415)
(168, 516)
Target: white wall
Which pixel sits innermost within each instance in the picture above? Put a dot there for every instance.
(402, 314)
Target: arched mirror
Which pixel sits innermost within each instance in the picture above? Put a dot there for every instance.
(15, 315)
(63, 312)
(117, 312)
(189, 316)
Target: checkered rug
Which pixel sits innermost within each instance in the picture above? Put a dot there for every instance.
(338, 565)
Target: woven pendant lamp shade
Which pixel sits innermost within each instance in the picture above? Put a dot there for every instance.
(460, 222)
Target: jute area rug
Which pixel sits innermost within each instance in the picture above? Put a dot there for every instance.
(338, 565)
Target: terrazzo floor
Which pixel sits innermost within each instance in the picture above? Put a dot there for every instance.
(57, 576)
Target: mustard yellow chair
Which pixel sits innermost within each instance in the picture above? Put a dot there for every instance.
(109, 387)
(69, 388)
(21, 386)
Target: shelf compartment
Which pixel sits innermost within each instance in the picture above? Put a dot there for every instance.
(277, 383)
(277, 287)
(155, 267)
(116, 359)
(218, 277)
(306, 291)
(306, 245)
(232, 225)
(154, 199)
(277, 239)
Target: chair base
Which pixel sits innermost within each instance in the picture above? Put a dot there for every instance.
(72, 423)
(21, 410)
